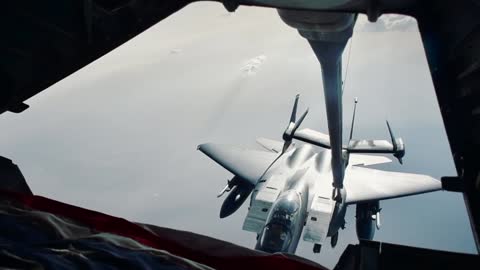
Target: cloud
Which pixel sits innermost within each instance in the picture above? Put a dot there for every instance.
(252, 66)
(387, 23)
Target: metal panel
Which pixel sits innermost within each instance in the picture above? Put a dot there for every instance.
(318, 220)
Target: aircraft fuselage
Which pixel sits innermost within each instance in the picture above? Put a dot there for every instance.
(296, 180)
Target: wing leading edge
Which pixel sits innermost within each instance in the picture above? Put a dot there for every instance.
(246, 163)
(313, 137)
(270, 145)
(365, 184)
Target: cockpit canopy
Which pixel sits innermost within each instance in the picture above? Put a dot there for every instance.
(277, 234)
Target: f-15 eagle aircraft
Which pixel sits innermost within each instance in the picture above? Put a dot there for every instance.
(292, 191)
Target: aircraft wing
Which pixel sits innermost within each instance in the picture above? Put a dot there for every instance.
(313, 137)
(245, 163)
(367, 160)
(365, 184)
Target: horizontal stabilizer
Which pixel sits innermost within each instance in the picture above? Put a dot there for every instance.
(370, 146)
(246, 163)
(367, 160)
(313, 137)
(365, 184)
(395, 147)
(270, 145)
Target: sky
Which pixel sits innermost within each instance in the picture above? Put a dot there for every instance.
(120, 135)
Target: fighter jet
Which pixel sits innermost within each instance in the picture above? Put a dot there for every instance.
(306, 189)
(292, 189)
